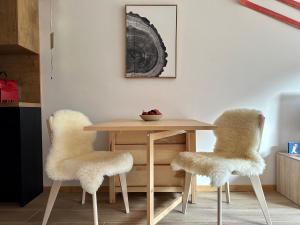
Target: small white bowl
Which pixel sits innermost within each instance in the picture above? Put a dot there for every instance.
(151, 117)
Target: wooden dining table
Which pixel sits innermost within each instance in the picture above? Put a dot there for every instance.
(153, 145)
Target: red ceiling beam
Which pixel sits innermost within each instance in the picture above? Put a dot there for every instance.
(292, 3)
(271, 13)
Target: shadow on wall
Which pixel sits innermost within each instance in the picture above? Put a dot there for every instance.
(288, 126)
(288, 119)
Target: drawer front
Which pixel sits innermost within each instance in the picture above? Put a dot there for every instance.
(164, 176)
(164, 153)
(140, 137)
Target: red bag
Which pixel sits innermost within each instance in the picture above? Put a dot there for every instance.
(8, 89)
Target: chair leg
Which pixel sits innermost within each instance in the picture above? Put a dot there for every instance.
(220, 205)
(95, 209)
(261, 197)
(124, 191)
(227, 190)
(52, 197)
(83, 197)
(187, 189)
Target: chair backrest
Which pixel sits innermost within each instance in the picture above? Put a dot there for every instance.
(239, 132)
(68, 137)
(50, 133)
(261, 125)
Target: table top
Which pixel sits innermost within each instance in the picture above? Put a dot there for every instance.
(140, 125)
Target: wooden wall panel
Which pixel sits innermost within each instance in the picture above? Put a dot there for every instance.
(19, 23)
(8, 22)
(28, 24)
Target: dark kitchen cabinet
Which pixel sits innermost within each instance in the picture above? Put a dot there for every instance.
(21, 167)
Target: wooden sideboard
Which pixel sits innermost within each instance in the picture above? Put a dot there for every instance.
(287, 176)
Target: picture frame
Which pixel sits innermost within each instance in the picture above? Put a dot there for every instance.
(151, 40)
(294, 148)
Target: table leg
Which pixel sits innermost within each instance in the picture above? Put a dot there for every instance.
(150, 183)
(112, 188)
(191, 147)
(151, 219)
(194, 189)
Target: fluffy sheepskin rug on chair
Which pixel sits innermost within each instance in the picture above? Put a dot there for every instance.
(72, 155)
(238, 136)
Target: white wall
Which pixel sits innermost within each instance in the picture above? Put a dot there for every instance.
(228, 56)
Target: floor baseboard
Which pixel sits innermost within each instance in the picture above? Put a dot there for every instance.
(200, 188)
(235, 188)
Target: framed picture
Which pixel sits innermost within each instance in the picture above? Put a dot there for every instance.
(294, 148)
(151, 41)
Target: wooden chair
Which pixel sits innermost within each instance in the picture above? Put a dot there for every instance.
(72, 157)
(248, 161)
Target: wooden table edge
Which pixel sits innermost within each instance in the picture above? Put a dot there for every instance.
(192, 128)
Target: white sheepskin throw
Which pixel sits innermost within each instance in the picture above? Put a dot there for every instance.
(72, 156)
(235, 151)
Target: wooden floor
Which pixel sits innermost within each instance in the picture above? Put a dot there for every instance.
(243, 210)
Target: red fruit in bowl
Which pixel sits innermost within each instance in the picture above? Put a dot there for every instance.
(152, 112)
(157, 112)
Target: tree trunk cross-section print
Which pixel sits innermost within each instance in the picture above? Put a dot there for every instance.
(146, 53)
